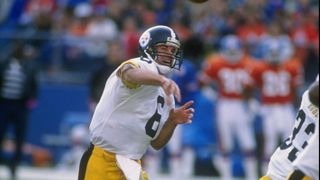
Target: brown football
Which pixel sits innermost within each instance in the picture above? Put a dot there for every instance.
(198, 1)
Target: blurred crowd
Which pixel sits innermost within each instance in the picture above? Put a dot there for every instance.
(74, 34)
(92, 37)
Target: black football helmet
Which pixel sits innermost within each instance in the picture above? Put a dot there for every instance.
(158, 35)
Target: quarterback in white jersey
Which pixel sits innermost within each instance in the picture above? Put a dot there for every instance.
(136, 110)
(120, 123)
(281, 163)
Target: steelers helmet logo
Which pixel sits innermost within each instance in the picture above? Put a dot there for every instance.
(144, 39)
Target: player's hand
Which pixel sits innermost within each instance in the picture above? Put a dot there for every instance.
(171, 88)
(183, 114)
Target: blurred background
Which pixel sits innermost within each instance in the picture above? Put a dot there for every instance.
(69, 47)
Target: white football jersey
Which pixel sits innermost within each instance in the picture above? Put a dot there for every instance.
(127, 119)
(281, 161)
(308, 160)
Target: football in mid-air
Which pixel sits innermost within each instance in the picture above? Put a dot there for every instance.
(198, 1)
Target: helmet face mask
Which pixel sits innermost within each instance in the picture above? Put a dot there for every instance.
(272, 52)
(232, 55)
(273, 57)
(162, 45)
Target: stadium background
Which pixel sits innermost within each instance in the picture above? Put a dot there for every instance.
(66, 52)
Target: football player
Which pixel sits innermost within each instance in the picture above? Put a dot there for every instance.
(307, 163)
(282, 160)
(229, 71)
(137, 109)
(277, 80)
